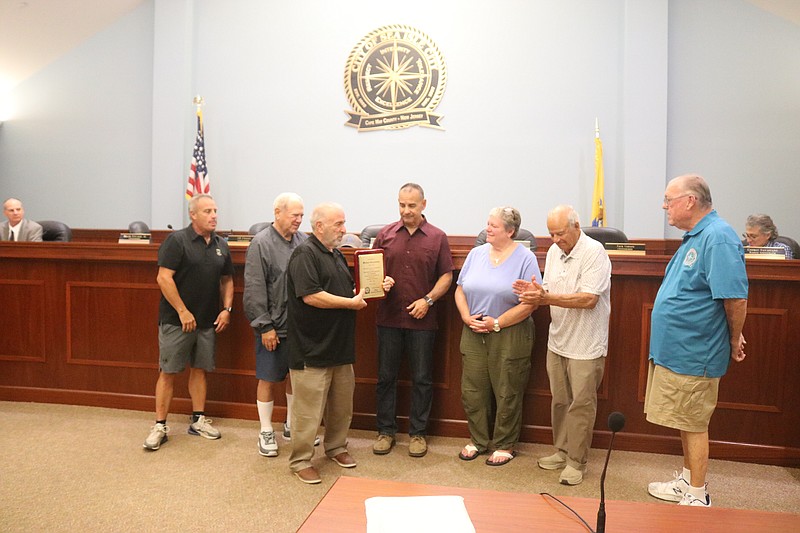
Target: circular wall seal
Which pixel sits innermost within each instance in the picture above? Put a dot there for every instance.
(394, 78)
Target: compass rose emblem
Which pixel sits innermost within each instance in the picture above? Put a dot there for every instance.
(394, 78)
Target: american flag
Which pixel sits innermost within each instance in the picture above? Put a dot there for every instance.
(198, 175)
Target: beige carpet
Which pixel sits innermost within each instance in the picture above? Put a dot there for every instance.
(71, 468)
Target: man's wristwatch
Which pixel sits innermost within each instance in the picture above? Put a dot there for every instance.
(496, 327)
(228, 309)
(428, 300)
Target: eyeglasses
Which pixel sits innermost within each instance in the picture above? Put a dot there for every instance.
(751, 236)
(668, 201)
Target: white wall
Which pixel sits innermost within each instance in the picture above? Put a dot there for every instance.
(735, 108)
(525, 82)
(678, 86)
(78, 146)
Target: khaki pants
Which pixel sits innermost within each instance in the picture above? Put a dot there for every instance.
(678, 401)
(573, 384)
(320, 394)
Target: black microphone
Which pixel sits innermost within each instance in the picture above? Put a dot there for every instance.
(616, 421)
(169, 227)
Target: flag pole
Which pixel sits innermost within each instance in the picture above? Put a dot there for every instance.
(198, 173)
(596, 128)
(199, 102)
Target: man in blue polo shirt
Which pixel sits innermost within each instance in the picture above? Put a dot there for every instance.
(696, 329)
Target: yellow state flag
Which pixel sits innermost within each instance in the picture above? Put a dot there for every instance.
(598, 198)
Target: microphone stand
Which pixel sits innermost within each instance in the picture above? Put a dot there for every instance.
(616, 421)
(601, 512)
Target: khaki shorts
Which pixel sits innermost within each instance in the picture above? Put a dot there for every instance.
(678, 401)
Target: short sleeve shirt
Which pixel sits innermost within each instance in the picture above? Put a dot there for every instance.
(488, 288)
(415, 262)
(689, 328)
(579, 333)
(198, 269)
(319, 337)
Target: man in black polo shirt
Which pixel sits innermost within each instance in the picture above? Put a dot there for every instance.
(195, 273)
(322, 325)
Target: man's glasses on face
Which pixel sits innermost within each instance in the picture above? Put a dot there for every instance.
(668, 200)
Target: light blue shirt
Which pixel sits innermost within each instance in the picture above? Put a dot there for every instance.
(689, 328)
(488, 288)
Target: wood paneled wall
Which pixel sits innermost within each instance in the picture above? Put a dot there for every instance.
(79, 326)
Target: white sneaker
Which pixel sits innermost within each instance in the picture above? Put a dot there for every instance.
(692, 500)
(267, 445)
(287, 435)
(553, 462)
(671, 491)
(157, 437)
(570, 476)
(203, 428)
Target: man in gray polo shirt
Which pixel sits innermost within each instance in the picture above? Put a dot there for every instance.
(265, 306)
(577, 287)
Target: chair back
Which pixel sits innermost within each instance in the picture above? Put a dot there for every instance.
(52, 230)
(522, 235)
(791, 243)
(369, 233)
(605, 235)
(138, 226)
(255, 228)
(350, 240)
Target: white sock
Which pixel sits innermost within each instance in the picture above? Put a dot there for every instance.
(698, 492)
(289, 401)
(265, 414)
(687, 475)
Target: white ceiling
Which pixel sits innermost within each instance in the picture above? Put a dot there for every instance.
(34, 33)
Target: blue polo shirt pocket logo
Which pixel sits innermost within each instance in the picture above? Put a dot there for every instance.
(690, 258)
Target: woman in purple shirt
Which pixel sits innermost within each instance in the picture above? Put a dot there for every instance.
(497, 337)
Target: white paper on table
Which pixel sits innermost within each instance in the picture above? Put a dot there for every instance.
(420, 514)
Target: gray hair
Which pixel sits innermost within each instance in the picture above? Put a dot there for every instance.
(764, 223)
(695, 185)
(195, 199)
(416, 187)
(283, 200)
(322, 210)
(510, 217)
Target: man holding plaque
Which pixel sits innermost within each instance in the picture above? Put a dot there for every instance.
(419, 270)
(322, 329)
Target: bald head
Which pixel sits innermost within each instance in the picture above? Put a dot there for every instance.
(13, 210)
(327, 223)
(687, 199)
(564, 227)
(696, 186)
(288, 209)
(566, 213)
